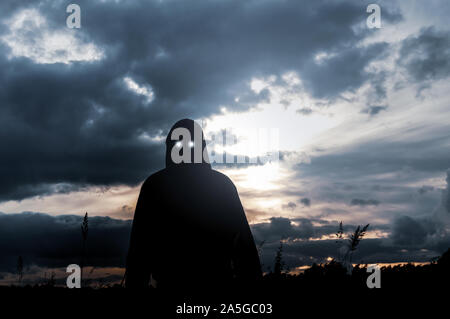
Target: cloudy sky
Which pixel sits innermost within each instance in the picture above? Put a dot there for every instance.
(362, 115)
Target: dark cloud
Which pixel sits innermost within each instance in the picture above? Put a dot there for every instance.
(427, 55)
(80, 125)
(304, 111)
(290, 205)
(387, 164)
(374, 110)
(55, 241)
(44, 240)
(410, 240)
(409, 231)
(364, 202)
(282, 228)
(425, 189)
(446, 193)
(333, 76)
(305, 201)
(377, 93)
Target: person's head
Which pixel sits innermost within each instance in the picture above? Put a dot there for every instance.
(185, 144)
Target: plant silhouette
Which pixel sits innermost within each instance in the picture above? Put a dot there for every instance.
(84, 234)
(20, 269)
(279, 264)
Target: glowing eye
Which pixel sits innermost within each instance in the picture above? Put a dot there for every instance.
(178, 144)
(191, 144)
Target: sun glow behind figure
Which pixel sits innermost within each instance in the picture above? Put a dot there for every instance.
(299, 117)
(264, 177)
(296, 136)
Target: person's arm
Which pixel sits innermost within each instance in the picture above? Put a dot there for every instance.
(246, 260)
(138, 265)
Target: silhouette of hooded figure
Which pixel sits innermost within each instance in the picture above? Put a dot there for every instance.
(189, 229)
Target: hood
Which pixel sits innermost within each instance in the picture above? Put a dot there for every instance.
(185, 145)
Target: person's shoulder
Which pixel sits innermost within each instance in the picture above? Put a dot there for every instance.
(154, 178)
(225, 180)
